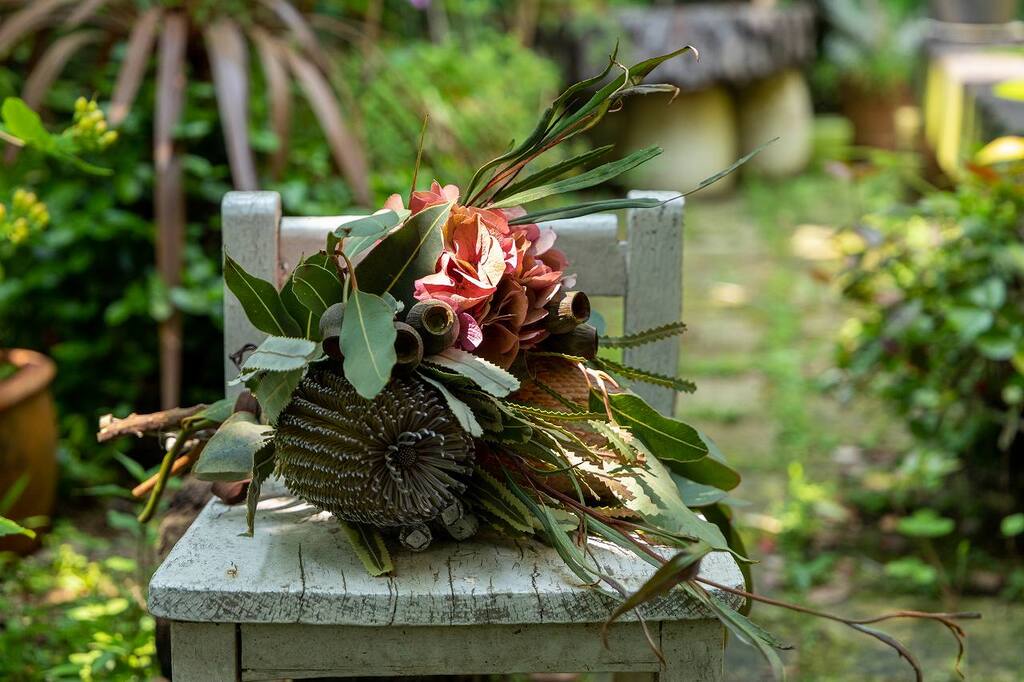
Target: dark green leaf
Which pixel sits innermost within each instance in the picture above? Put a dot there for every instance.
(592, 177)
(316, 286)
(262, 467)
(213, 414)
(697, 494)
(711, 470)
(677, 569)
(408, 253)
(499, 500)
(586, 208)
(640, 338)
(228, 456)
(308, 322)
(668, 438)
(369, 547)
(554, 171)
(637, 374)
(571, 554)
(368, 342)
(260, 301)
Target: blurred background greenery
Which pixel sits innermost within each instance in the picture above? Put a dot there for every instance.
(854, 304)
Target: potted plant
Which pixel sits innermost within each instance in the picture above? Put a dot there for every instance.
(870, 53)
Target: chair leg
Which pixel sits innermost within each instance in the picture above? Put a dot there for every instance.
(204, 651)
(694, 651)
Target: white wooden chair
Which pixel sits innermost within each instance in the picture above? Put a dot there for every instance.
(295, 602)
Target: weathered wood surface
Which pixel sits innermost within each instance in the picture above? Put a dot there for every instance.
(299, 568)
(300, 651)
(654, 289)
(738, 42)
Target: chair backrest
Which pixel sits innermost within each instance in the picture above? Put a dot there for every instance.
(645, 269)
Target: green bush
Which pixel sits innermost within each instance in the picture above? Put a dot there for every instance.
(940, 337)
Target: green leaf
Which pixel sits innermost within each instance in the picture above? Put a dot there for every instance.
(281, 354)
(990, 294)
(1012, 525)
(712, 470)
(361, 234)
(667, 438)
(308, 322)
(25, 124)
(463, 413)
(228, 456)
(996, 346)
(592, 177)
(969, 323)
(925, 523)
(554, 171)
(745, 630)
(681, 566)
(213, 414)
(8, 527)
(726, 171)
(369, 547)
(260, 301)
(262, 467)
(368, 342)
(617, 437)
(665, 331)
(408, 253)
(316, 285)
(484, 374)
(274, 391)
(721, 516)
(499, 500)
(696, 494)
(571, 554)
(586, 208)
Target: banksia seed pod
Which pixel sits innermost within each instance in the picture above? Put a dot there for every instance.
(330, 329)
(567, 311)
(581, 341)
(398, 460)
(408, 348)
(436, 322)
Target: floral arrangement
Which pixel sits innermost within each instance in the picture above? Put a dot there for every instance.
(431, 371)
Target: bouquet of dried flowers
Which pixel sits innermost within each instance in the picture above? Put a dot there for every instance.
(431, 370)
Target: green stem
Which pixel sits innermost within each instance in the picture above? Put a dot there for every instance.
(163, 475)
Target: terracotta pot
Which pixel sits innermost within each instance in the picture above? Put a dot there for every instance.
(873, 113)
(28, 441)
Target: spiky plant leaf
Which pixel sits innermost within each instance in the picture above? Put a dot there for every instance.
(484, 374)
(618, 438)
(498, 500)
(637, 374)
(463, 412)
(369, 547)
(556, 415)
(646, 336)
(582, 209)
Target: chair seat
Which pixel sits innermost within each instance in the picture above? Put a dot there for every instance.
(300, 568)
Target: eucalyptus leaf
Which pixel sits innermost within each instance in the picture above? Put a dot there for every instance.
(696, 494)
(368, 342)
(281, 354)
(359, 235)
(260, 301)
(317, 286)
(214, 413)
(262, 467)
(680, 566)
(408, 253)
(228, 456)
(711, 470)
(484, 374)
(308, 322)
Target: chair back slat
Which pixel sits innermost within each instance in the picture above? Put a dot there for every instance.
(646, 269)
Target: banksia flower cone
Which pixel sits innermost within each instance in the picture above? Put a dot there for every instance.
(397, 460)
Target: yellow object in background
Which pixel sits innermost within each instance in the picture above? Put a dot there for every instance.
(1001, 150)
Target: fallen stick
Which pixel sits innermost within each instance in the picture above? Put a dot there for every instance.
(139, 425)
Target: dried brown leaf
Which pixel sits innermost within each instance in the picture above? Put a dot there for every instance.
(279, 95)
(136, 59)
(24, 21)
(50, 65)
(83, 12)
(229, 61)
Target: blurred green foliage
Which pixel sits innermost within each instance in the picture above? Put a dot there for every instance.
(69, 614)
(939, 336)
